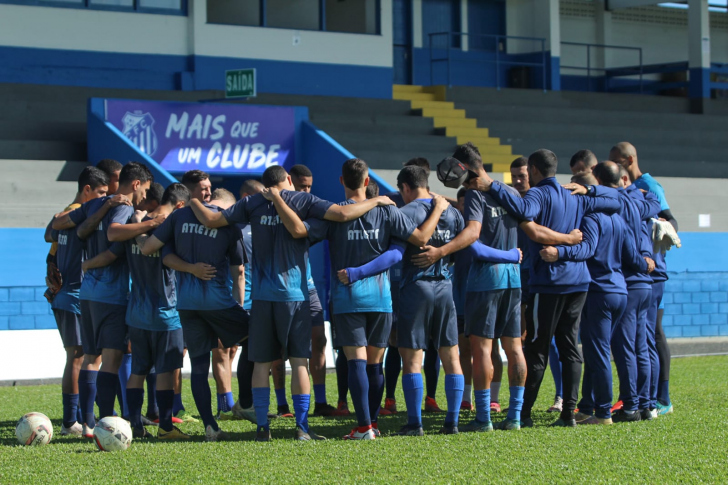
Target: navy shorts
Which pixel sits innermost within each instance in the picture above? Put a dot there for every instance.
(103, 326)
(317, 311)
(525, 294)
(202, 328)
(155, 351)
(493, 314)
(461, 324)
(427, 311)
(395, 303)
(361, 329)
(279, 330)
(69, 326)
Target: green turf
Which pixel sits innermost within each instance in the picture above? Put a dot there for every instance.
(687, 446)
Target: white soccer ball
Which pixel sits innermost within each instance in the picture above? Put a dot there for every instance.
(34, 429)
(112, 434)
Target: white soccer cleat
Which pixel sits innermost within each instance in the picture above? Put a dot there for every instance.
(360, 436)
(74, 430)
(87, 432)
(212, 435)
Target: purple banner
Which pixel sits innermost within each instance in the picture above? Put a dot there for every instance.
(215, 138)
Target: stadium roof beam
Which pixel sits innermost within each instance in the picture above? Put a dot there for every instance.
(617, 4)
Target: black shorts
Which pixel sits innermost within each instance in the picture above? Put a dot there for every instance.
(155, 351)
(202, 328)
(427, 312)
(493, 314)
(317, 312)
(525, 294)
(69, 326)
(361, 329)
(103, 326)
(461, 324)
(279, 330)
(394, 291)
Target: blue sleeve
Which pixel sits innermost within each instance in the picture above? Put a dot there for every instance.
(54, 235)
(318, 229)
(309, 206)
(238, 212)
(402, 226)
(584, 250)
(119, 248)
(384, 261)
(481, 252)
(630, 255)
(473, 208)
(606, 204)
(236, 252)
(165, 231)
(526, 207)
(648, 206)
(79, 215)
(167, 249)
(120, 214)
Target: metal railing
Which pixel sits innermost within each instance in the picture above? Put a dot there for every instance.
(608, 72)
(501, 59)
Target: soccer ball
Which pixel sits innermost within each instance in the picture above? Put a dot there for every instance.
(112, 434)
(34, 429)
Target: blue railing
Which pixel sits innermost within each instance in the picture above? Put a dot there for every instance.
(500, 59)
(637, 70)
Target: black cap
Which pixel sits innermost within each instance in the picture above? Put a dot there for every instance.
(451, 172)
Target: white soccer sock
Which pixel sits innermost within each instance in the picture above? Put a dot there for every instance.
(467, 394)
(494, 390)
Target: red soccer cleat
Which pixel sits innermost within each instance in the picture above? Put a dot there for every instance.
(495, 407)
(466, 406)
(343, 409)
(390, 405)
(617, 406)
(431, 406)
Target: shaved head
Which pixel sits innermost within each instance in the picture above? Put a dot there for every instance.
(625, 154)
(607, 173)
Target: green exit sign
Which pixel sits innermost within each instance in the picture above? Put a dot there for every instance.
(240, 83)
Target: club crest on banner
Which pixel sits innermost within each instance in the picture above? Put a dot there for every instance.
(139, 128)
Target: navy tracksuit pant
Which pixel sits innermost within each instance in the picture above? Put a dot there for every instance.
(658, 363)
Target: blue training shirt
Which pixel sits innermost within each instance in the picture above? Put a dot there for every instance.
(69, 256)
(248, 246)
(195, 243)
(109, 284)
(634, 212)
(279, 260)
(358, 242)
(153, 302)
(499, 230)
(462, 261)
(395, 272)
(449, 226)
(646, 182)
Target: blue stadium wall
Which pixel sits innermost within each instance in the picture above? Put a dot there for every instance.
(696, 296)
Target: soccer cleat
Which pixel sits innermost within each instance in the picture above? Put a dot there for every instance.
(142, 433)
(175, 434)
(508, 425)
(226, 416)
(495, 407)
(152, 416)
(579, 417)
(595, 420)
(645, 415)
(623, 416)
(174, 421)
(557, 406)
(617, 406)
(654, 413)
(285, 412)
(87, 432)
(564, 423)
(390, 405)
(148, 422)
(411, 430)
(343, 409)
(272, 415)
(74, 430)
(355, 434)
(186, 417)
(663, 409)
(449, 429)
(477, 426)
(431, 405)
(325, 410)
(375, 430)
(301, 435)
(243, 413)
(212, 435)
(263, 434)
(466, 406)
(526, 422)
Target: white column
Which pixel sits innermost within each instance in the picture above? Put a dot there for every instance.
(547, 22)
(464, 24)
(604, 57)
(699, 48)
(417, 40)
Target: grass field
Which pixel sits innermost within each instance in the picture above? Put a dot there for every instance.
(688, 446)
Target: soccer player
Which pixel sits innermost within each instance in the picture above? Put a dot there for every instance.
(112, 169)
(280, 310)
(625, 154)
(557, 289)
(104, 291)
(67, 256)
(583, 161)
(199, 185)
(208, 311)
(153, 199)
(607, 247)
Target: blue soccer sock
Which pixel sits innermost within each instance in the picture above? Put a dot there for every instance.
(319, 392)
(135, 400)
(454, 387)
(152, 407)
(663, 392)
(165, 400)
(375, 373)
(124, 373)
(106, 384)
(225, 402)
(516, 402)
(482, 405)
(201, 389)
(261, 402)
(412, 387)
(281, 397)
(359, 390)
(79, 414)
(178, 406)
(301, 403)
(70, 409)
(87, 395)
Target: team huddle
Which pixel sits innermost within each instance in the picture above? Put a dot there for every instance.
(139, 275)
